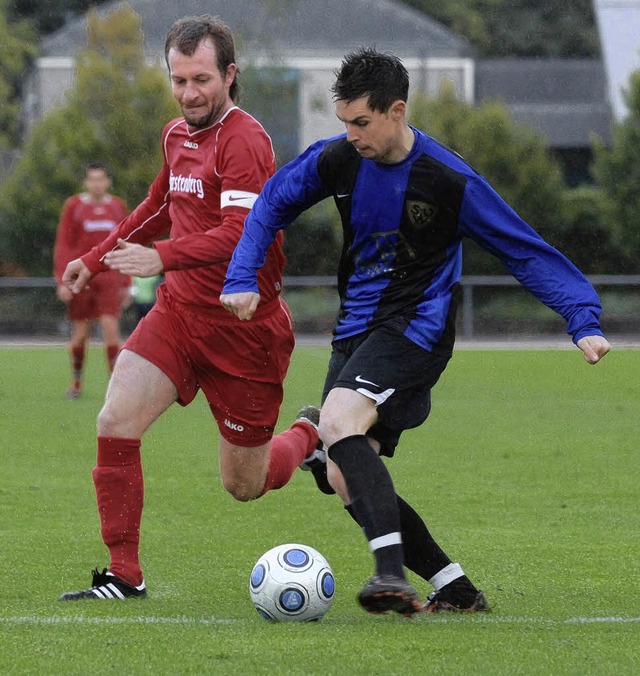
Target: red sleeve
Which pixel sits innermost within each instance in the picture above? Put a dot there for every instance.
(244, 162)
(67, 234)
(148, 221)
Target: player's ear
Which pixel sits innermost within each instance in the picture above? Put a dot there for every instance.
(398, 110)
(232, 70)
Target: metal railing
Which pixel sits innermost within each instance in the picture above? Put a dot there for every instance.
(469, 284)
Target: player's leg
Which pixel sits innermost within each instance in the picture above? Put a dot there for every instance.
(108, 297)
(252, 460)
(78, 351)
(248, 472)
(141, 388)
(346, 416)
(138, 393)
(452, 589)
(408, 406)
(110, 326)
(246, 405)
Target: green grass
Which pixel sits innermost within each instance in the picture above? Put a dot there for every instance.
(527, 472)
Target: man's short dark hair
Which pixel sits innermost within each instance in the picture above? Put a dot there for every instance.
(95, 166)
(367, 72)
(187, 33)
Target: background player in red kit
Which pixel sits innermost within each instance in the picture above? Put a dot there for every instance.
(216, 160)
(85, 221)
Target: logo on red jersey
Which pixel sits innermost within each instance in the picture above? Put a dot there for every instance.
(190, 144)
(187, 184)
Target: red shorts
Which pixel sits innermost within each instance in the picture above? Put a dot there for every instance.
(103, 296)
(240, 366)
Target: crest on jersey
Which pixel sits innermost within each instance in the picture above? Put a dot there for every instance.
(420, 213)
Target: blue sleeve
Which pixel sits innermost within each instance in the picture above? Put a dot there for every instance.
(487, 219)
(290, 191)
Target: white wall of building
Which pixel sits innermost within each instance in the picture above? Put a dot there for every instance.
(619, 29)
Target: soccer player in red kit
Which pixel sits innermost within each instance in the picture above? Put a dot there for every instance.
(86, 219)
(216, 160)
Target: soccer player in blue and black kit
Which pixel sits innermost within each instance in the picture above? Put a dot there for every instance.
(405, 202)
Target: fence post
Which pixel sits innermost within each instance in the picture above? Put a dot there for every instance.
(467, 308)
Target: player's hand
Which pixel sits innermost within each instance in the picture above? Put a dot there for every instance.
(76, 276)
(243, 305)
(593, 348)
(64, 293)
(134, 260)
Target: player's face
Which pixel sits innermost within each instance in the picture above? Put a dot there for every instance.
(375, 135)
(97, 183)
(198, 86)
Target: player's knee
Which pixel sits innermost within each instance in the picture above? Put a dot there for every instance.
(241, 489)
(110, 422)
(332, 428)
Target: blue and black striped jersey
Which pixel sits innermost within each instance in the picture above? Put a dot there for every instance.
(403, 227)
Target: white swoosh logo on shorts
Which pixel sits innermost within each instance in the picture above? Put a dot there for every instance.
(360, 379)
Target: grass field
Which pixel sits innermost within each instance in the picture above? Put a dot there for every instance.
(527, 472)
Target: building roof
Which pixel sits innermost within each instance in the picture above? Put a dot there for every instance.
(565, 99)
(328, 28)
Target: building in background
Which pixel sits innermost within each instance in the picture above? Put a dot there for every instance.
(619, 30)
(299, 43)
(292, 47)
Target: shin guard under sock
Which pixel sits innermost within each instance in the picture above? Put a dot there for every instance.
(119, 486)
(288, 450)
(422, 554)
(373, 500)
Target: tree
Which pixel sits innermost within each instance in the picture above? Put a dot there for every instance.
(513, 158)
(49, 15)
(617, 170)
(115, 113)
(519, 27)
(17, 48)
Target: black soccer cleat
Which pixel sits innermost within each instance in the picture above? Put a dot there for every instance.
(106, 585)
(316, 463)
(385, 593)
(441, 602)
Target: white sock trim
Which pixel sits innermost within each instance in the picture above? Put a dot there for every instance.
(385, 541)
(448, 574)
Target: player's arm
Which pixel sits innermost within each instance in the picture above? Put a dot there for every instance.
(244, 162)
(64, 249)
(542, 269)
(294, 188)
(147, 222)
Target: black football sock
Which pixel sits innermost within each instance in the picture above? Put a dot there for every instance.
(373, 500)
(422, 554)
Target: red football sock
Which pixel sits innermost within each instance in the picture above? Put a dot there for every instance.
(111, 352)
(288, 450)
(77, 363)
(119, 486)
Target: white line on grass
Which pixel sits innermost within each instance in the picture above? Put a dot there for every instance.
(80, 619)
(211, 621)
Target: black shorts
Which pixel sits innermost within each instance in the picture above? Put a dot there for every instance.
(397, 374)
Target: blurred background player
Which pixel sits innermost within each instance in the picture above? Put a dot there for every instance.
(86, 219)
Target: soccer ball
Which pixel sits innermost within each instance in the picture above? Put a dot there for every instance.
(292, 582)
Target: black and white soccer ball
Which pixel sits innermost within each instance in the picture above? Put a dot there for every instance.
(292, 582)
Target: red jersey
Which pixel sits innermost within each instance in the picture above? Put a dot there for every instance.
(83, 225)
(209, 180)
